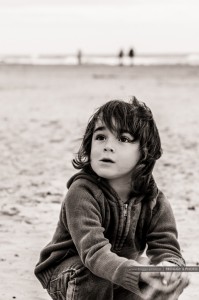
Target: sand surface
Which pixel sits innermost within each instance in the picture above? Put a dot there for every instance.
(43, 112)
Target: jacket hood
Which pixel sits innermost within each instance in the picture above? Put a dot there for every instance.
(100, 182)
(82, 175)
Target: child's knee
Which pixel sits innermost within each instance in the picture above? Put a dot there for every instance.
(62, 284)
(90, 286)
(72, 280)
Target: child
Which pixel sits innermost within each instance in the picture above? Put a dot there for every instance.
(112, 211)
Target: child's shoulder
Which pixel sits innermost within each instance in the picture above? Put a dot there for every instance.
(160, 202)
(84, 185)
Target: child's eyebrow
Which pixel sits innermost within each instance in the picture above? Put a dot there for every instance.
(126, 131)
(100, 128)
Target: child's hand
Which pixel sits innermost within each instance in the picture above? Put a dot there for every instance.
(154, 285)
(164, 285)
(169, 277)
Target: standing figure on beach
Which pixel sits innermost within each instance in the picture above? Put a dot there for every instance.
(121, 56)
(79, 57)
(112, 212)
(131, 56)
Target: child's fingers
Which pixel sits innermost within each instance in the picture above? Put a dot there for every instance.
(179, 289)
(169, 288)
(175, 276)
(169, 292)
(185, 279)
(169, 277)
(157, 286)
(166, 277)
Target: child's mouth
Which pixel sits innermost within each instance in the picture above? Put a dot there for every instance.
(107, 160)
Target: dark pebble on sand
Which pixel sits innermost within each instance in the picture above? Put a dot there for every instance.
(191, 208)
(2, 259)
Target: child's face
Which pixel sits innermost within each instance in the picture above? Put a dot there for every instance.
(113, 157)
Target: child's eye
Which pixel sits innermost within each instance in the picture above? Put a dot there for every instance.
(100, 137)
(125, 139)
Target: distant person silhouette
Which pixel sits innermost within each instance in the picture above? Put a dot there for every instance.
(120, 56)
(79, 57)
(131, 56)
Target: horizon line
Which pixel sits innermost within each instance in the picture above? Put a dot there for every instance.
(65, 54)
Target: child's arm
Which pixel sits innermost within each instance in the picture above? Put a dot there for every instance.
(162, 235)
(163, 247)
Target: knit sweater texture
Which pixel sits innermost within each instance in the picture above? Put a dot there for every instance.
(108, 235)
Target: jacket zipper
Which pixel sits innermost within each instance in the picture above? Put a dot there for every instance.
(125, 211)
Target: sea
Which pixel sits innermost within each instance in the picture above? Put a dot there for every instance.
(112, 60)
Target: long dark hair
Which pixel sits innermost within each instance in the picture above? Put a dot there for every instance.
(136, 118)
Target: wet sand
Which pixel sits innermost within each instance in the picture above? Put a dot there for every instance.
(44, 110)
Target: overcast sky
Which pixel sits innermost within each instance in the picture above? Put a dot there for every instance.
(105, 26)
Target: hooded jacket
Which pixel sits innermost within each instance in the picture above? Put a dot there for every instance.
(108, 235)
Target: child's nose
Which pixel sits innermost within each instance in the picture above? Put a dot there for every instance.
(108, 149)
(109, 145)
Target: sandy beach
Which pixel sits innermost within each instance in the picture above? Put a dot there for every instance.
(43, 113)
